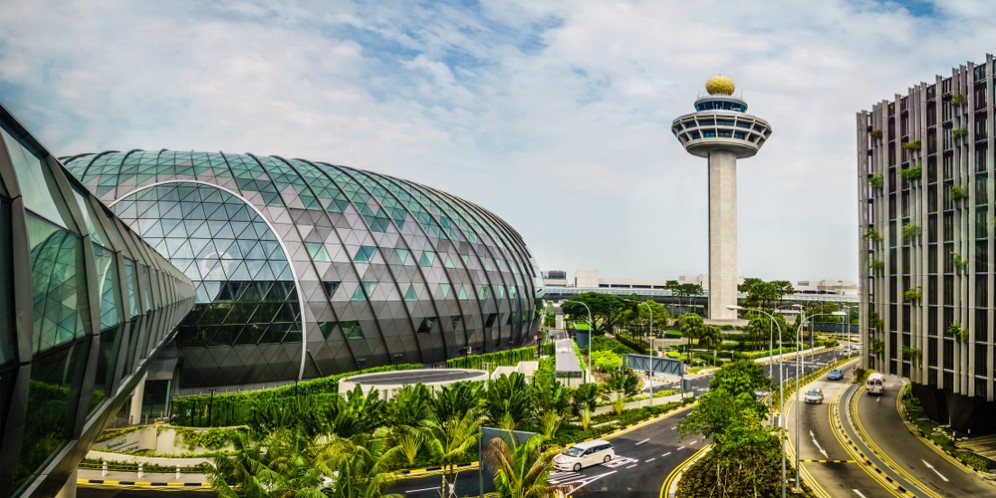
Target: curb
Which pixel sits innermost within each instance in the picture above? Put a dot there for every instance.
(915, 430)
(859, 455)
(203, 486)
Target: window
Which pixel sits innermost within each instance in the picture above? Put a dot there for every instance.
(426, 326)
(426, 258)
(318, 252)
(352, 330)
(364, 254)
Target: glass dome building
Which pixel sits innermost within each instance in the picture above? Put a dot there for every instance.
(304, 269)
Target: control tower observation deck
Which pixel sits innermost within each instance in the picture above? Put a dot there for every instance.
(721, 131)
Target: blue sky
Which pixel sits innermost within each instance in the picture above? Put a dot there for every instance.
(554, 115)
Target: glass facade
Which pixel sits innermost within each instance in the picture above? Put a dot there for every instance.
(305, 269)
(63, 332)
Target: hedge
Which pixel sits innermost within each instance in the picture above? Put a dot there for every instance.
(506, 358)
(234, 408)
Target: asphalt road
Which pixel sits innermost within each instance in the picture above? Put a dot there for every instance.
(823, 455)
(889, 438)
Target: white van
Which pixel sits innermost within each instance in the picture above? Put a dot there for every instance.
(875, 384)
(583, 455)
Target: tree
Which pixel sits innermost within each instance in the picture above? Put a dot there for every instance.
(584, 396)
(456, 399)
(450, 441)
(507, 400)
(621, 383)
(745, 453)
(638, 319)
(691, 326)
(357, 467)
(711, 337)
(758, 292)
(607, 310)
(521, 471)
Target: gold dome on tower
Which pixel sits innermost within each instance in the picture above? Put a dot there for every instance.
(720, 85)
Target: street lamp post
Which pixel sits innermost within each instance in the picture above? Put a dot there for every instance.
(781, 382)
(799, 360)
(591, 334)
(653, 353)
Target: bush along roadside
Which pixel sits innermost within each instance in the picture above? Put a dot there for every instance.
(932, 431)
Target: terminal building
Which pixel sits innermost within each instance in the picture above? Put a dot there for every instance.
(924, 168)
(138, 272)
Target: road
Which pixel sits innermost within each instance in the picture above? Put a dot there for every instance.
(824, 457)
(889, 438)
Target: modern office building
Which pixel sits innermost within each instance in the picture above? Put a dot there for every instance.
(925, 167)
(721, 131)
(304, 269)
(85, 305)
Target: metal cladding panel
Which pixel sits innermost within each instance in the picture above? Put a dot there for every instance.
(369, 259)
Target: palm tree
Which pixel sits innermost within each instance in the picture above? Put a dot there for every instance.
(691, 326)
(357, 467)
(456, 399)
(507, 400)
(521, 471)
(281, 464)
(450, 442)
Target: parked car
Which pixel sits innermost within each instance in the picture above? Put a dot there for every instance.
(814, 396)
(583, 455)
(835, 374)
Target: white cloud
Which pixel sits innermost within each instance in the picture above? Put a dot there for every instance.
(554, 115)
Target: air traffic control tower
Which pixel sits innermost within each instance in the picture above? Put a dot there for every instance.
(721, 130)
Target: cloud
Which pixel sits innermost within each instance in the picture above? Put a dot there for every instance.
(554, 115)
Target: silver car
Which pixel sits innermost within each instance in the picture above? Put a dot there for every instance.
(814, 396)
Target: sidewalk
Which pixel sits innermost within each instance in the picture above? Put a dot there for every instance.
(150, 479)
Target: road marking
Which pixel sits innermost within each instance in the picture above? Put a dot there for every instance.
(651, 460)
(666, 454)
(931, 467)
(641, 442)
(421, 490)
(680, 448)
(589, 481)
(631, 466)
(824, 452)
(858, 493)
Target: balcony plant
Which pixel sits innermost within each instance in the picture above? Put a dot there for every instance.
(955, 329)
(876, 133)
(876, 264)
(876, 181)
(960, 263)
(913, 295)
(958, 193)
(912, 173)
(910, 230)
(912, 145)
(872, 235)
(957, 133)
(959, 99)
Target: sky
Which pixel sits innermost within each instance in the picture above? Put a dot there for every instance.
(556, 116)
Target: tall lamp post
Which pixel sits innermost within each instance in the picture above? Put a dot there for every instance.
(591, 334)
(653, 353)
(781, 379)
(799, 359)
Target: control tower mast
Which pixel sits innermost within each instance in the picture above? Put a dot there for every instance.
(721, 131)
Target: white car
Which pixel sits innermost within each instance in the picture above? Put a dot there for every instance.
(583, 455)
(814, 396)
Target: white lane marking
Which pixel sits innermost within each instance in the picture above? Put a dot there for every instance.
(666, 454)
(589, 481)
(421, 490)
(931, 467)
(651, 460)
(824, 452)
(631, 466)
(675, 427)
(641, 442)
(680, 448)
(858, 493)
